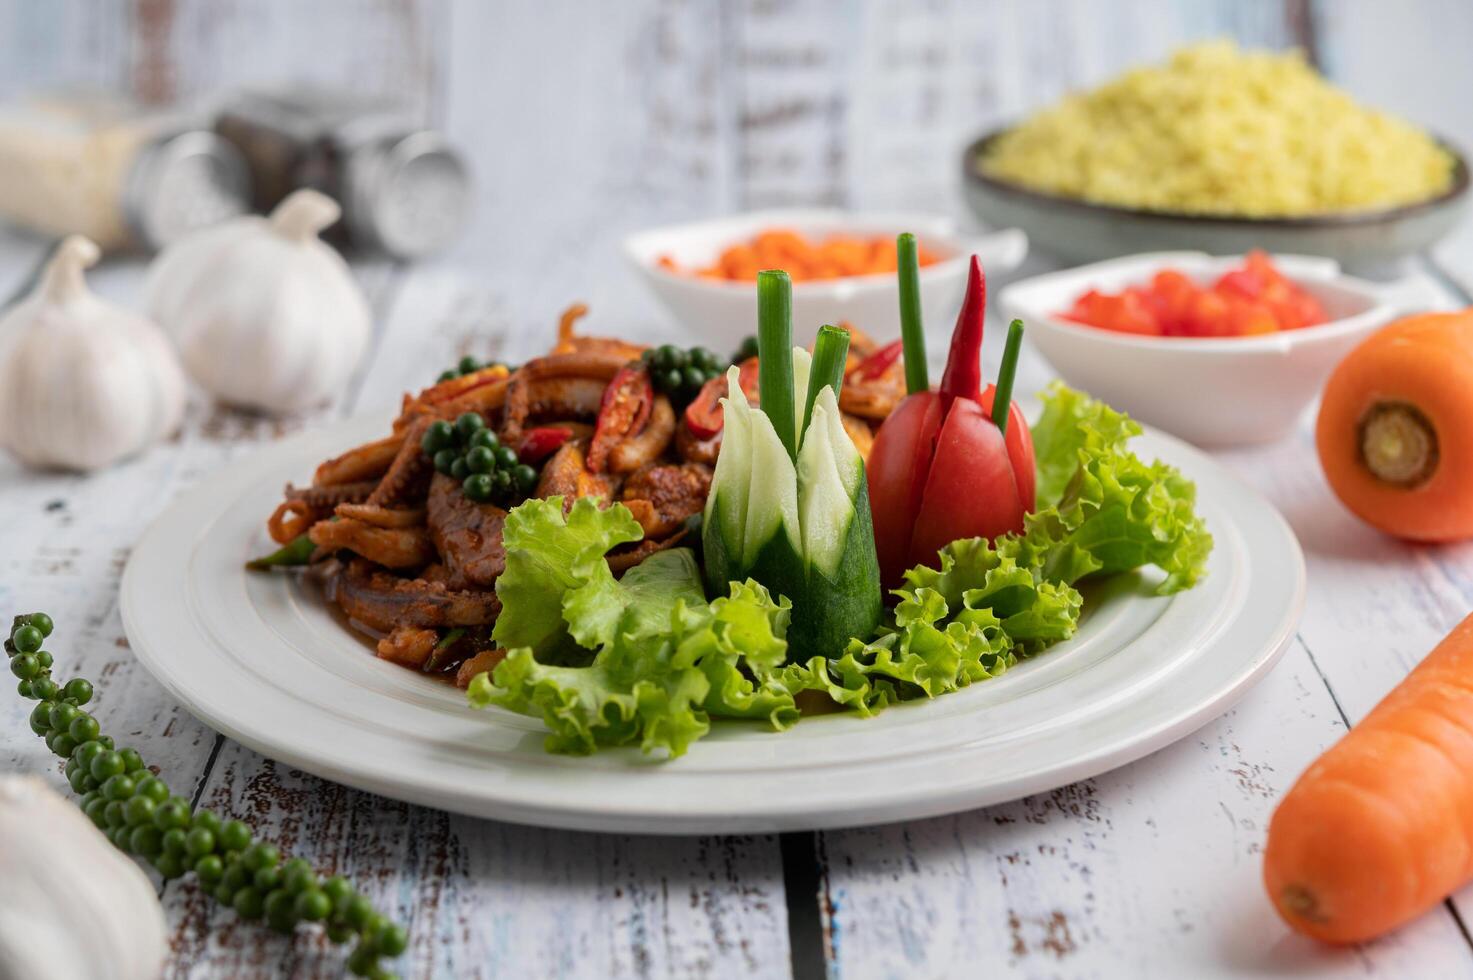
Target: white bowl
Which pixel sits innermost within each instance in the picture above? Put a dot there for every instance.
(720, 314)
(1211, 391)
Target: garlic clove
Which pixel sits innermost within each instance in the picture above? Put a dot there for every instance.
(304, 215)
(82, 383)
(62, 281)
(71, 904)
(264, 314)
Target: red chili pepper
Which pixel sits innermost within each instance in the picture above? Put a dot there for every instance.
(879, 362)
(941, 469)
(623, 412)
(704, 415)
(542, 442)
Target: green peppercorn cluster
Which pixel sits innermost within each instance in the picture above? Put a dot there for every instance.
(471, 453)
(138, 813)
(747, 350)
(469, 365)
(680, 374)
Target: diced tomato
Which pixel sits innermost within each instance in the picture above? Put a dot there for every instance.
(1247, 318)
(1208, 316)
(1175, 291)
(1124, 313)
(1252, 299)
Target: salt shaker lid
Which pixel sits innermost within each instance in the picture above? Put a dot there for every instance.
(183, 181)
(408, 194)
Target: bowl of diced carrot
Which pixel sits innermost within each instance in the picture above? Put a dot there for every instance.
(842, 265)
(1226, 350)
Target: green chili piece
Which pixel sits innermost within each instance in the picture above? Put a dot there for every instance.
(295, 552)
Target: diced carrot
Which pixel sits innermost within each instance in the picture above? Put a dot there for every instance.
(782, 248)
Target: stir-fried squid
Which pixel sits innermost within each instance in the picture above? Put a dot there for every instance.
(408, 541)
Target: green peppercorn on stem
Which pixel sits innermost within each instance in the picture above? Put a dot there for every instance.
(136, 811)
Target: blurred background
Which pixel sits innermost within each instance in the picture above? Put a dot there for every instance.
(581, 122)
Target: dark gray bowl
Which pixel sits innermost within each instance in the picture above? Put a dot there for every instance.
(1079, 231)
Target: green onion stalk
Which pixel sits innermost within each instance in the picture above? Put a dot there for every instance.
(140, 815)
(1002, 395)
(912, 329)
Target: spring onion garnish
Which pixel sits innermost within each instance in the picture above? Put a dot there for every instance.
(140, 815)
(775, 350)
(829, 355)
(1003, 394)
(912, 329)
(295, 552)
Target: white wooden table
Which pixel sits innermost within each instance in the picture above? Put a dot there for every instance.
(585, 122)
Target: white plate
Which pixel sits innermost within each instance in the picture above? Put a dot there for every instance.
(262, 659)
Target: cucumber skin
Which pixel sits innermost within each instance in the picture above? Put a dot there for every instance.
(835, 610)
(719, 565)
(777, 566)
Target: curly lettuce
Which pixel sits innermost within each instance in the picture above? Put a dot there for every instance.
(641, 659)
(645, 659)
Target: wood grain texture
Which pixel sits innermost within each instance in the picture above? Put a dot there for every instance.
(1150, 870)
(487, 899)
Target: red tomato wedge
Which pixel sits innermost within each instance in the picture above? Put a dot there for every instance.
(1020, 449)
(970, 491)
(896, 470)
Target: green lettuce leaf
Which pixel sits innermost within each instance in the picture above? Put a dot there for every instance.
(658, 660)
(1072, 427)
(647, 660)
(921, 655)
(549, 555)
(1117, 513)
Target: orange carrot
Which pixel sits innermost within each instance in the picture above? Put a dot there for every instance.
(782, 248)
(1380, 828)
(1395, 430)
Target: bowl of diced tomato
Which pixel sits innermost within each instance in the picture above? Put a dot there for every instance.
(842, 264)
(1221, 350)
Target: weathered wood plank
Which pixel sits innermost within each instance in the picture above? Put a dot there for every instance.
(486, 899)
(1150, 870)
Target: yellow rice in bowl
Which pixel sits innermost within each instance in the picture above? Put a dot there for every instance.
(1218, 130)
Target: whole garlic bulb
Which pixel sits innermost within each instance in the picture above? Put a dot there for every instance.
(265, 315)
(71, 905)
(83, 383)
